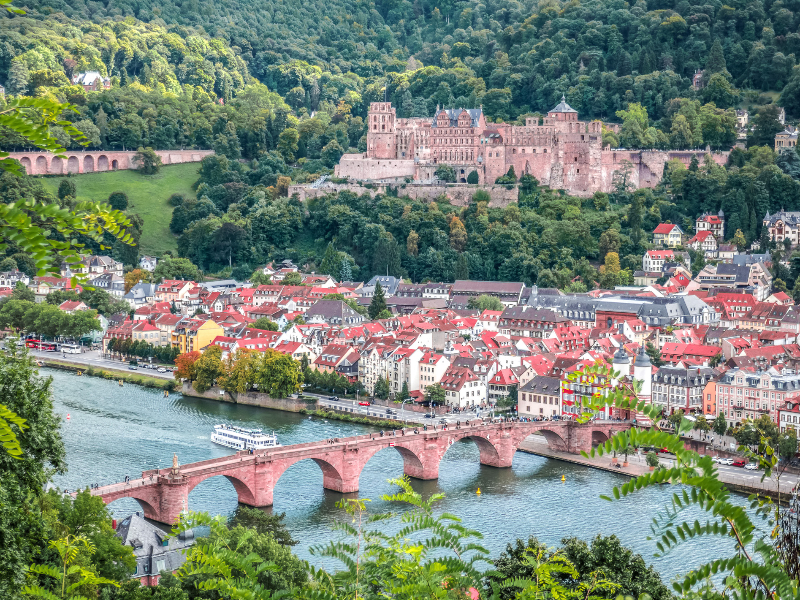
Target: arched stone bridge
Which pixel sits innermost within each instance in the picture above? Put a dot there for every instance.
(163, 493)
(45, 163)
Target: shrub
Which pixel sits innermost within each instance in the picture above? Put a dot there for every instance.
(651, 459)
(118, 200)
(176, 199)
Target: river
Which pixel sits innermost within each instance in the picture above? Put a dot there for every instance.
(112, 432)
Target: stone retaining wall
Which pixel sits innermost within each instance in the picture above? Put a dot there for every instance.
(251, 399)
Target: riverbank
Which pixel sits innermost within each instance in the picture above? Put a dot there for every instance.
(341, 416)
(748, 482)
(110, 374)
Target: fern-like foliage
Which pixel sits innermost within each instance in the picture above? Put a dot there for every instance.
(32, 119)
(71, 577)
(754, 570)
(48, 233)
(8, 437)
(549, 570)
(212, 564)
(429, 557)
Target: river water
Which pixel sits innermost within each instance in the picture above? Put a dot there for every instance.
(112, 432)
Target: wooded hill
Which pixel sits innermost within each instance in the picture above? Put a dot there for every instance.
(513, 57)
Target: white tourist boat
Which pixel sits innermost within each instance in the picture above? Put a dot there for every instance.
(240, 438)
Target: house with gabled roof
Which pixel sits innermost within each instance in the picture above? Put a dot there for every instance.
(332, 312)
(540, 398)
(704, 241)
(462, 388)
(667, 235)
(499, 386)
(155, 550)
(72, 306)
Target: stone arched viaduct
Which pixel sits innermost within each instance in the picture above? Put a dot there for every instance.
(45, 163)
(163, 493)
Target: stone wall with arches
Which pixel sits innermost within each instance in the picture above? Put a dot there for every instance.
(46, 163)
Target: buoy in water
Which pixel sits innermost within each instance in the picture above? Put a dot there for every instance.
(67, 416)
(478, 492)
(563, 478)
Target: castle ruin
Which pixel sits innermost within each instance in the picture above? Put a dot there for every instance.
(561, 152)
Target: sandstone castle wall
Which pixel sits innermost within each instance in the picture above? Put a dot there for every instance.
(561, 152)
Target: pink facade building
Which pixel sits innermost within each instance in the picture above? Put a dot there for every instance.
(560, 151)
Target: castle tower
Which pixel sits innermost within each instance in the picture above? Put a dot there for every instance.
(382, 132)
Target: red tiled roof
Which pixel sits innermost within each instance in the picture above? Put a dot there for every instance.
(660, 254)
(665, 228)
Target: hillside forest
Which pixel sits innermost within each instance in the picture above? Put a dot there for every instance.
(280, 94)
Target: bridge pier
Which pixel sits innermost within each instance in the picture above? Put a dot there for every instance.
(174, 500)
(498, 450)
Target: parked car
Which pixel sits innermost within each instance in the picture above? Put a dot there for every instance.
(162, 370)
(738, 463)
(334, 398)
(751, 467)
(715, 459)
(363, 403)
(389, 411)
(133, 367)
(726, 461)
(442, 421)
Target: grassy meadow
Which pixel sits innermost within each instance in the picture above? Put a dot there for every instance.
(147, 194)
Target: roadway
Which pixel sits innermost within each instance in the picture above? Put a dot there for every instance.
(94, 358)
(731, 474)
(397, 413)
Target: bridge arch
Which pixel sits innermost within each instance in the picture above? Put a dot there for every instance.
(413, 464)
(489, 453)
(73, 165)
(332, 476)
(150, 511)
(244, 493)
(26, 163)
(88, 163)
(599, 437)
(554, 440)
(102, 163)
(41, 165)
(56, 166)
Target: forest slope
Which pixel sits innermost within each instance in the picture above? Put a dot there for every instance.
(513, 57)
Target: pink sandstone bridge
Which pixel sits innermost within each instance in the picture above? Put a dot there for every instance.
(45, 163)
(163, 493)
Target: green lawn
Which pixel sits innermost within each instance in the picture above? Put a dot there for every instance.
(148, 196)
